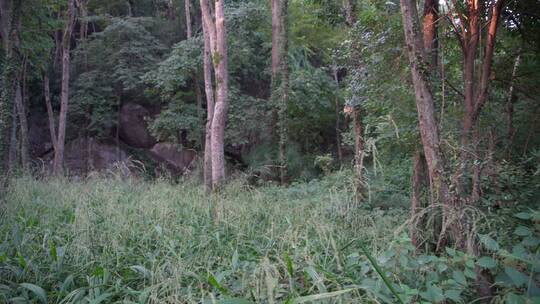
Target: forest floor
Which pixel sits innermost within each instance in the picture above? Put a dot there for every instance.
(104, 240)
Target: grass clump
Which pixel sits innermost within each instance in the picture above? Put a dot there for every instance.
(107, 241)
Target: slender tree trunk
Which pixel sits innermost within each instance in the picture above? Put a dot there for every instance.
(64, 97)
(209, 92)
(10, 17)
(350, 10)
(338, 125)
(13, 142)
(430, 24)
(420, 174)
(188, 18)
(284, 88)
(21, 114)
(358, 147)
(217, 33)
(419, 182)
(510, 103)
(219, 118)
(50, 113)
(276, 34)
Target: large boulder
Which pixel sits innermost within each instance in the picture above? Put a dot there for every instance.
(175, 159)
(84, 155)
(134, 127)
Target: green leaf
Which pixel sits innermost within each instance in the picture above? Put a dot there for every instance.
(512, 298)
(522, 231)
(38, 291)
(488, 242)
(235, 260)
(433, 294)
(101, 298)
(459, 277)
(320, 296)
(233, 301)
(212, 280)
(523, 215)
(469, 273)
(518, 278)
(290, 268)
(454, 295)
(486, 262)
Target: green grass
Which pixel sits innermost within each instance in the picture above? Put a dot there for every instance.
(105, 240)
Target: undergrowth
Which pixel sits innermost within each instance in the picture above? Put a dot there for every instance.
(105, 240)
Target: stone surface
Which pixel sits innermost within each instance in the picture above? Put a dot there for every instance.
(84, 155)
(134, 127)
(174, 158)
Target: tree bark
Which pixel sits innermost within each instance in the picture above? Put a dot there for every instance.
(21, 114)
(219, 118)
(209, 92)
(276, 34)
(50, 113)
(419, 182)
(431, 17)
(424, 103)
(188, 18)
(510, 103)
(338, 125)
(350, 9)
(64, 97)
(284, 88)
(217, 33)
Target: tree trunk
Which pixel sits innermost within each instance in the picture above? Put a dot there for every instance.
(276, 34)
(431, 16)
(217, 34)
(358, 147)
(21, 114)
(222, 103)
(188, 18)
(209, 92)
(419, 182)
(338, 128)
(350, 9)
(510, 103)
(284, 88)
(50, 113)
(424, 103)
(64, 97)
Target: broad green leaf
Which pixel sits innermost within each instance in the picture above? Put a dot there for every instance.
(522, 231)
(486, 262)
(433, 294)
(38, 291)
(518, 278)
(459, 277)
(488, 242)
(523, 215)
(454, 295)
(469, 273)
(513, 298)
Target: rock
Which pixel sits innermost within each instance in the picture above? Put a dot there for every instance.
(39, 136)
(133, 126)
(173, 158)
(84, 155)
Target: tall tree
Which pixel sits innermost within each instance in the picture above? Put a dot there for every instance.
(10, 14)
(209, 92)
(217, 32)
(64, 95)
(425, 105)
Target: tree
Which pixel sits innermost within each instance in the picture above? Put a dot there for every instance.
(425, 104)
(217, 32)
(64, 98)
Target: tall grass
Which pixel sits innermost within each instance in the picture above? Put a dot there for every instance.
(104, 240)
